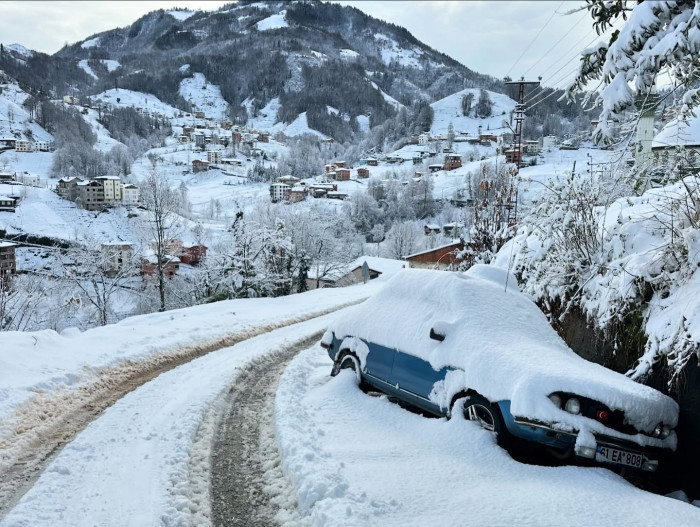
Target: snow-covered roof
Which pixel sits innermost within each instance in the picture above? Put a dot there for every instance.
(678, 132)
(7, 244)
(386, 266)
(447, 245)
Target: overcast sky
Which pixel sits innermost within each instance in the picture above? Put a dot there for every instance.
(499, 38)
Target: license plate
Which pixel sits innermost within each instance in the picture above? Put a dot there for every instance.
(606, 454)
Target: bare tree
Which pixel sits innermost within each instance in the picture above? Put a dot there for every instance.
(19, 300)
(401, 240)
(164, 222)
(99, 271)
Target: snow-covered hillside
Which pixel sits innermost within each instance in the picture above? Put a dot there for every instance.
(122, 98)
(449, 110)
(43, 213)
(15, 121)
(204, 96)
(267, 120)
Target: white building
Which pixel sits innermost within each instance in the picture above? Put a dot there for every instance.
(279, 192)
(27, 179)
(22, 145)
(214, 157)
(424, 138)
(549, 141)
(112, 188)
(42, 146)
(130, 194)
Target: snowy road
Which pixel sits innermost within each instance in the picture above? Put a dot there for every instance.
(224, 440)
(145, 459)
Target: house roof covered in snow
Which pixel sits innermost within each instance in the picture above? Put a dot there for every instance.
(678, 132)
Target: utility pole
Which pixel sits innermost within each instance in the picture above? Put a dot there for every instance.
(518, 117)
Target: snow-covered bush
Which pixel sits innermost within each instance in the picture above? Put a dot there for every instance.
(637, 255)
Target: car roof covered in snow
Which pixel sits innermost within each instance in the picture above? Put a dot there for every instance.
(500, 341)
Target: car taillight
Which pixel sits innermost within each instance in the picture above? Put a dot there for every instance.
(602, 415)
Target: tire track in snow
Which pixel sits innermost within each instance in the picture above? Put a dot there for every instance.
(39, 431)
(240, 455)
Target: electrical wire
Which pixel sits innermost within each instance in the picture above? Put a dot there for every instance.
(546, 53)
(533, 40)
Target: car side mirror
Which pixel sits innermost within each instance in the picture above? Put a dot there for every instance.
(436, 336)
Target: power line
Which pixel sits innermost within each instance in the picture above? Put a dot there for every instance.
(566, 34)
(533, 40)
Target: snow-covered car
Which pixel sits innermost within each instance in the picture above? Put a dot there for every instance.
(471, 342)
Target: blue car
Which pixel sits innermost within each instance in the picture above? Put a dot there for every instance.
(472, 343)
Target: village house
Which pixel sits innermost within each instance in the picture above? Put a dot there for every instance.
(6, 177)
(424, 138)
(513, 156)
(445, 257)
(288, 180)
(318, 190)
(231, 161)
(351, 273)
(363, 173)
(340, 164)
(214, 156)
(67, 187)
(264, 137)
(372, 162)
(337, 195)
(112, 189)
(193, 254)
(199, 140)
(279, 192)
(183, 139)
(435, 168)
(171, 265)
(25, 178)
(549, 141)
(43, 146)
(8, 261)
(7, 142)
(431, 228)
(199, 115)
(115, 256)
(130, 194)
(91, 195)
(531, 147)
(8, 204)
(200, 166)
(296, 194)
(678, 144)
(69, 99)
(22, 145)
(342, 174)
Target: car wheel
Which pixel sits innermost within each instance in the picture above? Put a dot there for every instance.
(487, 416)
(348, 362)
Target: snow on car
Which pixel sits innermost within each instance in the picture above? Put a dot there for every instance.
(472, 341)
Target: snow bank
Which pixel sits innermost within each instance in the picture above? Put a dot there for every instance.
(44, 361)
(357, 460)
(503, 347)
